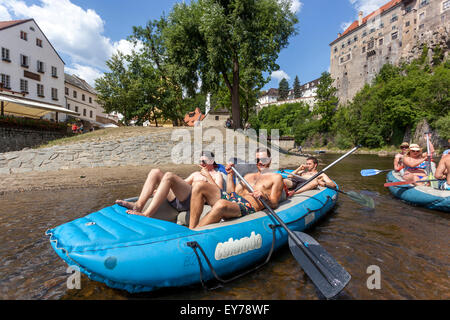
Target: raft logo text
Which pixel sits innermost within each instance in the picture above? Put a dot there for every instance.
(234, 144)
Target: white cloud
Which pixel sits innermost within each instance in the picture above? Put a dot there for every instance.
(367, 6)
(296, 6)
(345, 25)
(85, 72)
(279, 75)
(73, 31)
(4, 14)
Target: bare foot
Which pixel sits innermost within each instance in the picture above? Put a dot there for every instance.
(128, 205)
(135, 212)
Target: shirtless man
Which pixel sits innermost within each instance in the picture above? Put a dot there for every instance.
(306, 171)
(237, 201)
(398, 159)
(442, 171)
(168, 186)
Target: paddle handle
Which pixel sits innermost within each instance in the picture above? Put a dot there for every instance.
(399, 183)
(326, 168)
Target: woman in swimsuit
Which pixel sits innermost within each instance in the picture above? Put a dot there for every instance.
(415, 163)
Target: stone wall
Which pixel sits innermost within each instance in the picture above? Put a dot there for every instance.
(14, 139)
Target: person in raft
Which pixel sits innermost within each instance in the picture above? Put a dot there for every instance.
(398, 159)
(306, 171)
(416, 163)
(170, 187)
(237, 201)
(441, 173)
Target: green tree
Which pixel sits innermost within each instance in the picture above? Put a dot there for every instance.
(283, 90)
(326, 101)
(297, 88)
(213, 41)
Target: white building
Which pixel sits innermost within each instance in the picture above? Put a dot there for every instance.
(82, 98)
(308, 96)
(31, 73)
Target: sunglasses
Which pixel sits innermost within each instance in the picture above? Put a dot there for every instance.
(263, 160)
(415, 150)
(404, 147)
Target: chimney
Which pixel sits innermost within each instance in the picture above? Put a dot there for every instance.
(339, 35)
(360, 18)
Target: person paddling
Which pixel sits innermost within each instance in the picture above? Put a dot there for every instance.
(442, 171)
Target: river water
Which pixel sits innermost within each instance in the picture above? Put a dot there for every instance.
(410, 245)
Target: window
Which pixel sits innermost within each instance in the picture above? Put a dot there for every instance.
(355, 38)
(83, 97)
(422, 16)
(5, 81)
(84, 112)
(370, 45)
(5, 54)
(68, 106)
(407, 24)
(40, 90)
(76, 108)
(335, 49)
(424, 2)
(90, 100)
(23, 35)
(66, 90)
(24, 61)
(216, 118)
(445, 5)
(394, 35)
(54, 72)
(364, 34)
(408, 9)
(40, 67)
(54, 94)
(23, 86)
(421, 26)
(39, 42)
(74, 94)
(363, 49)
(380, 42)
(91, 114)
(394, 17)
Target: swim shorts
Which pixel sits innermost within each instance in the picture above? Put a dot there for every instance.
(443, 185)
(245, 206)
(184, 205)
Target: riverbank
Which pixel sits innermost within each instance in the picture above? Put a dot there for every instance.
(116, 156)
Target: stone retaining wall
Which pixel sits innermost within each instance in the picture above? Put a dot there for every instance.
(14, 139)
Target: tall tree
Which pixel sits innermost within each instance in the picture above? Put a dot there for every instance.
(213, 41)
(326, 101)
(297, 88)
(283, 90)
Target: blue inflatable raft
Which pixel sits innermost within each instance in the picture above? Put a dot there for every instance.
(419, 195)
(137, 253)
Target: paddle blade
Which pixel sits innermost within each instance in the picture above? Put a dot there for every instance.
(324, 264)
(369, 172)
(362, 199)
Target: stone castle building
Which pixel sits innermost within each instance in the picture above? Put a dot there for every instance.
(393, 33)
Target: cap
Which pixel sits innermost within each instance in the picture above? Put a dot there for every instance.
(404, 144)
(414, 147)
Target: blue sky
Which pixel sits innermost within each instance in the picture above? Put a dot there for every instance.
(87, 32)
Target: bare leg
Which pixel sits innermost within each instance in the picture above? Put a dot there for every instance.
(170, 181)
(153, 179)
(309, 186)
(222, 209)
(202, 192)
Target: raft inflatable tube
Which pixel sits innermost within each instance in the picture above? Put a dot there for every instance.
(419, 195)
(138, 254)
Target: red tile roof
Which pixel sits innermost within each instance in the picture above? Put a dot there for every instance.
(7, 24)
(381, 10)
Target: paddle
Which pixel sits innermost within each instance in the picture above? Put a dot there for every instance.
(400, 183)
(430, 158)
(326, 168)
(363, 200)
(326, 273)
(372, 172)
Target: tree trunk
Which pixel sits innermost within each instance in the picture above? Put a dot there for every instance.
(235, 104)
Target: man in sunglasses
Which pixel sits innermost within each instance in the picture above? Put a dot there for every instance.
(237, 201)
(170, 187)
(398, 159)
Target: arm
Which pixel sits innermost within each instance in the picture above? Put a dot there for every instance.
(440, 170)
(397, 167)
(190, 179)
(275, 192)
(325, 181)
(299, 170)
(410, 162)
